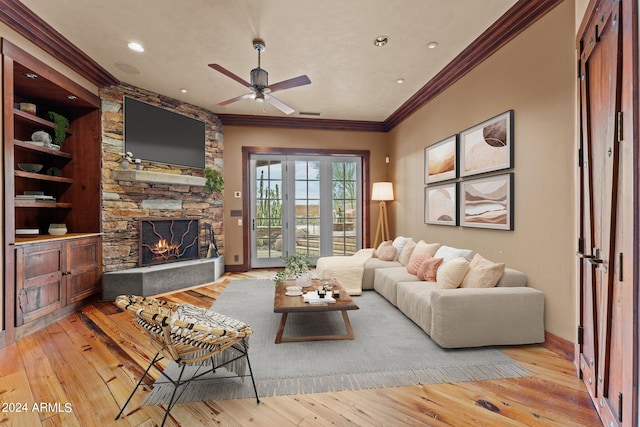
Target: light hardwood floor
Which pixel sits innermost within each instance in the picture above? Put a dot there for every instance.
(78, 371)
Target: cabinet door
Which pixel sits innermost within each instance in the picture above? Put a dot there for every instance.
(83, 268)
(40, 288)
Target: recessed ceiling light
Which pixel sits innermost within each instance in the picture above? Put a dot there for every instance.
(31, 75)
(400, 80)
(136, 47)
(183, 90)
(72, 97)
(381, 41)
(432, 45)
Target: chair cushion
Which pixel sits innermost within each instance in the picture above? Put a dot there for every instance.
(197, 315)
(482, 273)
(450, 275)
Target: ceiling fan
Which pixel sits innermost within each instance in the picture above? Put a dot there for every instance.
(260, 88)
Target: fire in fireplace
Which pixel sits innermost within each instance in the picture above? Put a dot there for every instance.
(164, 240)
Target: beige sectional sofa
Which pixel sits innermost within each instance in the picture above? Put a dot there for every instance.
(508, 314)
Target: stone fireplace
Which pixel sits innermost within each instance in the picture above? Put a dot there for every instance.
(164, 240)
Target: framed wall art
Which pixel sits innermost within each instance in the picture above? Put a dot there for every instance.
(487, 202)
(441, 204)
(488, 146)
(441, 160)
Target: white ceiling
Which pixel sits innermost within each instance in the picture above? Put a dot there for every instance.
(331, 41)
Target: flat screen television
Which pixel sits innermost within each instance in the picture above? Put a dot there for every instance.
(154, 134)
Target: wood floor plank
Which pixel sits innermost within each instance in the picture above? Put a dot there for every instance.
(17, 401)
(94, 358)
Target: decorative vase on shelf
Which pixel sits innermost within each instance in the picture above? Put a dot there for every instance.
(57, 229)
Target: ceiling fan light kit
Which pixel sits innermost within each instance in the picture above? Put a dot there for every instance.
(260, 89)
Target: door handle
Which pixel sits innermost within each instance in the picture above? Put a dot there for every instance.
(594, 261)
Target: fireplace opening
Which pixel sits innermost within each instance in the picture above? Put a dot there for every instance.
(164, 240)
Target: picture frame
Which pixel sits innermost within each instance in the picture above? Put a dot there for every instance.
(487, 202)
(441, 160)
(441, 204)
(487, 146)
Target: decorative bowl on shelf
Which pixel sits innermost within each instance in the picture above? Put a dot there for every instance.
(41, 136)
(57, 229)
(30, 167)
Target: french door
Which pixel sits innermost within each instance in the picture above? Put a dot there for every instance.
(305, 205)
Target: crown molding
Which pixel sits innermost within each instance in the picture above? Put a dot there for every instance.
(298, 123)
(29, 25)
(517, 19)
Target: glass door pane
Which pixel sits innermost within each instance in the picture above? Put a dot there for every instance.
(344, 184)
(268, 236)
(307, 208)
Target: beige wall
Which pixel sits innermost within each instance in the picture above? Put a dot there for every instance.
(236, 137)
(535, 76)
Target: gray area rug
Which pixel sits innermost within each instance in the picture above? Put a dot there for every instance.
(389, 350)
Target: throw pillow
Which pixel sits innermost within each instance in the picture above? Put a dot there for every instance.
(405, 255)
(482, 273)
(382, 245)
(399, 243)
(414, 264)
(429, 268)
(450, 275)
(448, 253)
(424, 248)
(387, 253)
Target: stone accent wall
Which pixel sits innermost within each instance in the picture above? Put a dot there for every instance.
(124, 202)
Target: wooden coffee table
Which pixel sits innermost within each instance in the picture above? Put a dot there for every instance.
(285, 305)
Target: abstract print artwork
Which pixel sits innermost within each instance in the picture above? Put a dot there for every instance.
(440, 160)
(487, 202)
(487, 146)
(441, 204)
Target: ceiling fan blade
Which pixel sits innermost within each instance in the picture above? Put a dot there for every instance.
(279, 104)
(230, 74)
(288, 84)
(236, 99)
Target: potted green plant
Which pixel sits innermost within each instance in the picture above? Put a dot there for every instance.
(295, 267)
(214, 181)
(60, 125)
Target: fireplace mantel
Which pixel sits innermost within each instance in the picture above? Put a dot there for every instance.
(157, 177)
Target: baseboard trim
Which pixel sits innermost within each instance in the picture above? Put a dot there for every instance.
(236, 268)
(559, 345)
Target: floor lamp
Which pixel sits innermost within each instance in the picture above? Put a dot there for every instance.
(382, 191)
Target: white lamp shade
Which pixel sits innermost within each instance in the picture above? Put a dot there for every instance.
(382, 191)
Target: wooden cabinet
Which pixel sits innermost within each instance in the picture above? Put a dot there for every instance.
(45, 273)
(53, 274)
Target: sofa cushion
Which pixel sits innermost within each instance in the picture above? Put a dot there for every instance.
(482, 273)
(399, 243)
(424, 248)
(406, 252)
(386, 280)
(428, 270)
(512, 278)
(387, 253)
(414, 300)
(414, 264)
(448, 253)
(370, 268)
(450, 275)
